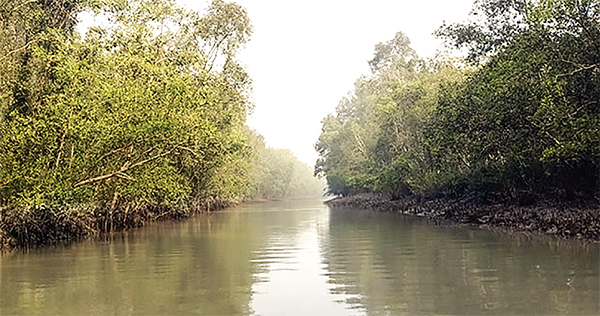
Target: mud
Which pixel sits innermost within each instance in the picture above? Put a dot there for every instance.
(23, 227)
(567, 221)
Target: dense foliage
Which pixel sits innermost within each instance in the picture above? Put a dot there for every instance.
(519, 121)
(149, 108)
(278, 174)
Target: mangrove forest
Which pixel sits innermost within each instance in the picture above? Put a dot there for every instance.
(518, 120)
(142, 118)
(507, 136)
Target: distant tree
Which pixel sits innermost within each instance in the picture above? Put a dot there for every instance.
(278, 174)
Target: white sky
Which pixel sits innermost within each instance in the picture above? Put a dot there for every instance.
(304, 56)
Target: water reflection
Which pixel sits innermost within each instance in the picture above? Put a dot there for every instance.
(399, 265)
(300, 258)
(193, 267)
(291, 279)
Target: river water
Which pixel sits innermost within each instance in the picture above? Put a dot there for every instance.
(301, 258)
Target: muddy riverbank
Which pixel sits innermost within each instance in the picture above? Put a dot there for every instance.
(568, 221)
(22, 227)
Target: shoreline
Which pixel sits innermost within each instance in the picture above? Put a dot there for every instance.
(40, 226)
(558, 220)
(25, 227)
(35, 226)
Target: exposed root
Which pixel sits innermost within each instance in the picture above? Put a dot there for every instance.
(562, 220)
(33, 226)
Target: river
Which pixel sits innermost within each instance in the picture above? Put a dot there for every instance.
(301, 258)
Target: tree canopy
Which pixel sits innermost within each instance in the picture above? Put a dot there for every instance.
(522, 120)
(135, 110)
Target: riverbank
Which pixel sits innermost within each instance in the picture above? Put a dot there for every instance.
(567, 221)
(36, 226)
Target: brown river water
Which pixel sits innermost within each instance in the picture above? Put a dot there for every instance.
(301, 258)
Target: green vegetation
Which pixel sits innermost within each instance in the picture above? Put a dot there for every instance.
(518, 122)
(147, 111)
(279, 174)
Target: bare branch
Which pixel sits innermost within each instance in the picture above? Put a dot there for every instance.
(24, 4)
(554, 139)
(215, 50)
(116, 150)
(190, 150)
(60, 148)
(580, 68)
(121, 172)
(16, 50)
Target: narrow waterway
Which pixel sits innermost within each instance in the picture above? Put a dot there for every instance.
(301, 258)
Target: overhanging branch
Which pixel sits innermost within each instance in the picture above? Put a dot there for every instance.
(121, 172)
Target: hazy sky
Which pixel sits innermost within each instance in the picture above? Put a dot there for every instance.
(304, 56)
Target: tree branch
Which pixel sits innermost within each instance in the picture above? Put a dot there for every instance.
(581, 67)
(121, 172)
(24, 4)
(553, 138)
(116, 150)
(16, 50)
(190, 150)
(215, 50)
(60, 148)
